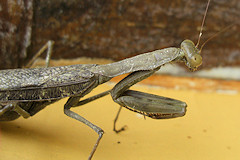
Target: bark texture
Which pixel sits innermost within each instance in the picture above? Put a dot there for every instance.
(118, 29)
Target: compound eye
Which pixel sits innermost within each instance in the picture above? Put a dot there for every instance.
(195, 60)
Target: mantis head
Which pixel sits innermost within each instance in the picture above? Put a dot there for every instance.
(193, 59)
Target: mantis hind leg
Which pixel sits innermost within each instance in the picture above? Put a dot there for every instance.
(48, 46)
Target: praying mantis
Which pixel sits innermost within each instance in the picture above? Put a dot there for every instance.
(24, 92)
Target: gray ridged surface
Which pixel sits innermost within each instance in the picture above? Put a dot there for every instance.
(45, 83)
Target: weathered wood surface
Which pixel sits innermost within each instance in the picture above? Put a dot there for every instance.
(116, 29)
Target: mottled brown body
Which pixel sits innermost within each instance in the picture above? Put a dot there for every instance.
(35, 88)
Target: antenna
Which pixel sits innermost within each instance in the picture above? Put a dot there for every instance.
(216, 34)
(204, 17)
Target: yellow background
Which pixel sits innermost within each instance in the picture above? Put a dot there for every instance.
(209, 130)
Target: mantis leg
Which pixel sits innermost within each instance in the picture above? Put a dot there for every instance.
(21, 111)
(124, 85)
(48, 46)
(74, 102)
(5, 109)
(15, 108)
(82, 102)
(153, 106)
(115, 121)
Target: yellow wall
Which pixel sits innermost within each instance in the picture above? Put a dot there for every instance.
(210, 130)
